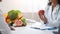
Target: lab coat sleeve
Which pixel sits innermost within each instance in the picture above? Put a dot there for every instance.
(4, 28)
(46, 11)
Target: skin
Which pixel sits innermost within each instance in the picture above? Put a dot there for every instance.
(54, 3)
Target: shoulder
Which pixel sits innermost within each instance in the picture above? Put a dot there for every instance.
(47, 8)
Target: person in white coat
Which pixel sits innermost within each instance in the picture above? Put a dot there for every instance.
(4, 28)
(52, 14)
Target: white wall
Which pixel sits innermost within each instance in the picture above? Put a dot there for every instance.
(23, 5)
(28, 7)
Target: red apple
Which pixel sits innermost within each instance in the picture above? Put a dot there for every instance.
(41, 12)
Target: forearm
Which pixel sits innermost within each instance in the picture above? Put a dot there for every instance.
(44, 19)
(53, 24)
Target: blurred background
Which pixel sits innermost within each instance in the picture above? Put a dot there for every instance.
(29, 8)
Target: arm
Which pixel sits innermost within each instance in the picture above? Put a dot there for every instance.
(43, 18)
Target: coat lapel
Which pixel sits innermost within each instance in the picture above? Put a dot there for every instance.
(55, 11)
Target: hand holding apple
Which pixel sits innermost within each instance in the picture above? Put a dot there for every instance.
(42, 16)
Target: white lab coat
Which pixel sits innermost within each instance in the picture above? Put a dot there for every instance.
(4, 28)
(53, 17)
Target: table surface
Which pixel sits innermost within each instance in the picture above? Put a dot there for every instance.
(28, 30)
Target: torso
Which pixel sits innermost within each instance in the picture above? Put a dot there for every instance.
(51, 14)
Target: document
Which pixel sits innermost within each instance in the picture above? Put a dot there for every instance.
(42, 26)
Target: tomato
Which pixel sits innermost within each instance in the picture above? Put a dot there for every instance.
(7, 19)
